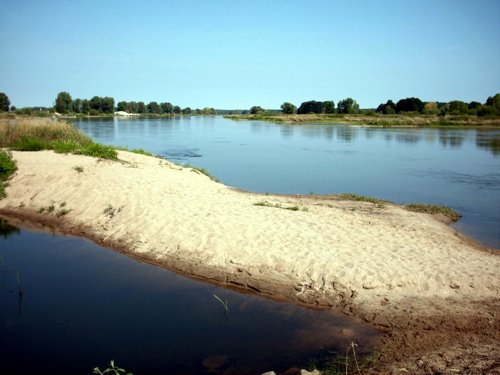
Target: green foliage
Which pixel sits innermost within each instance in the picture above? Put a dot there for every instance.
(347, 106)
(63, 102)
(487, 111)
(7, 168)
(329, 106)
(29, 143)
(167, 108)
(113, 370)
(256, 109)
(288, 108)
(186, 111)
(457, 107)
(4, 102)
(99, 151)
(311, 106)
(78, 168)
(388, 108)
(435, 209)
(154, 108)
(361, 198)
(177, 109)
(410, 105)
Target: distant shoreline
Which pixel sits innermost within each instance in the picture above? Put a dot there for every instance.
(377, 120)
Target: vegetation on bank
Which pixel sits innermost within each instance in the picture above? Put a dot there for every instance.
(35, 134)
(373, 119)
(435, 209)
(7, 168)
(406, 112)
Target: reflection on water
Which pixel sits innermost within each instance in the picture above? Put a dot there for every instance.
(85, 305)
(403, 165)
(6, 229)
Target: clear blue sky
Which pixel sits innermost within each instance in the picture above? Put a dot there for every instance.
(235, 54)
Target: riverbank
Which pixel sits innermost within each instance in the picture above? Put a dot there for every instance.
(376, 119)
(432, 291)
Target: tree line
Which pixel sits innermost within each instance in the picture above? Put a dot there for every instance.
(456, 107)
(408, 105)
(105, 105)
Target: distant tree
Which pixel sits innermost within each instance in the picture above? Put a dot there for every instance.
(410, 105)
(311, 106)
(13, 108)
(96, 103)
(122, 106)
(85, 106)
(473, 105)
(386, 108)
(167, 108)
(4, 102)
(208, 111)
(141, 107)
(329, 106)
(431, 108)
(288, 108)
(107, 104)
(177, 109)
(457, 107)
(487, 111)
(76, 105)
(256, 109)
(154, 107)
(132, 107)
(347, 106)
(63, 102)
(494, 101)
(186, 111)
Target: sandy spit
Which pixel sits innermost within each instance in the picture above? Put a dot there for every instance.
(379, 263)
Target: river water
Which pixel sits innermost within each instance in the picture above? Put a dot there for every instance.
(459, 168)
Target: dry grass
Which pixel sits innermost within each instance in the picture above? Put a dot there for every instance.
(14, 130)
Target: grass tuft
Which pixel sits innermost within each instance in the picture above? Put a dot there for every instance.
(277, 205)
(435, 209)
(7, 168)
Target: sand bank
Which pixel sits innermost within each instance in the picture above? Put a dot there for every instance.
(392, 267)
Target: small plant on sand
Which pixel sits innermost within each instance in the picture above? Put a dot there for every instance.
(113, 370)
(110, 211)
(435, 209)
(200, 170)
(7, 168)
(51, 208)
(277, 205)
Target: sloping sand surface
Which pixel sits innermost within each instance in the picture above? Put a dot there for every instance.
(354, 256)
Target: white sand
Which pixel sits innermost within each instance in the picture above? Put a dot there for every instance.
(335, 253)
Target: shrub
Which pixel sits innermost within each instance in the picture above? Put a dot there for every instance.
(7, 168)
(99, 151)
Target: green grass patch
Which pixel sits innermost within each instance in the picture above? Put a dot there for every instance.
(435, 209)
(361, 198)
(7, 168)
(99, 151)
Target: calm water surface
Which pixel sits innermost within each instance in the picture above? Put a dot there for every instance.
(83, 305)
(459, 168)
